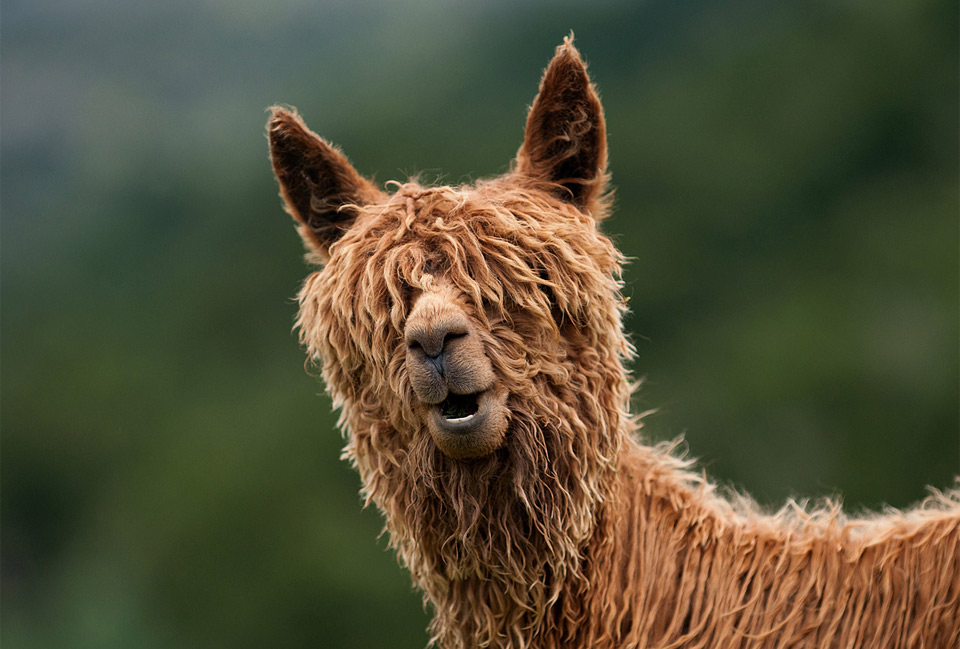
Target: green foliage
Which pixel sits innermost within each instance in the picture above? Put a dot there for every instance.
(787, 187)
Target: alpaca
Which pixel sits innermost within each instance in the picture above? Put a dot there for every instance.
(472, 339)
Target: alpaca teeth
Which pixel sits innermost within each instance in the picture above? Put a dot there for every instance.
(459, 420)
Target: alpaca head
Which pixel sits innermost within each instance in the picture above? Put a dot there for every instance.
(471, 337)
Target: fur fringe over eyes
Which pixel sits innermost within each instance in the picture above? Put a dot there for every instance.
(571, 533)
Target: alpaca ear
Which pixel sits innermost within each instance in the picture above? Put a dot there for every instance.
(319, 186)
(565, 143)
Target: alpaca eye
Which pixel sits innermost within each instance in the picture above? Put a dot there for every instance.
(556, 312)
(403, 295)
(546, 289)
(548, 292)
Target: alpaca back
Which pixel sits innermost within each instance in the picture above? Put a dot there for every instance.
(689, 568)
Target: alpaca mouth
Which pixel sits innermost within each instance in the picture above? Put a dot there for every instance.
(462, 413)
(459, 408)
(469, 425)
(466, 415)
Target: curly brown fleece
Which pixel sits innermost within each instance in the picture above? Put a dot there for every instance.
(551, 525)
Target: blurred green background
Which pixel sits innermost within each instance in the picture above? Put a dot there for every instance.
(787, 187)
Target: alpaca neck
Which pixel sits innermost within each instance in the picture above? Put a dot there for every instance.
(680, 565)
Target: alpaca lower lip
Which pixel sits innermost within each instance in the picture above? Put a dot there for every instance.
(469, 426)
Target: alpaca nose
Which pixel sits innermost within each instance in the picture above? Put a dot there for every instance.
(434, 339)
(444, 353)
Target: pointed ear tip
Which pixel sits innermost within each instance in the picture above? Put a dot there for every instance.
(567, 63)
(283, 109)
(281, 118)
(567, 50)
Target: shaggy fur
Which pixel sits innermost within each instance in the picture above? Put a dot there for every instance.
(472, 339)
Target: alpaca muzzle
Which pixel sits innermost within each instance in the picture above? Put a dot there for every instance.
(453, 380)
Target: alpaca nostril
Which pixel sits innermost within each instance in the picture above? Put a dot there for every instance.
(433, 341)
(450, 336)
